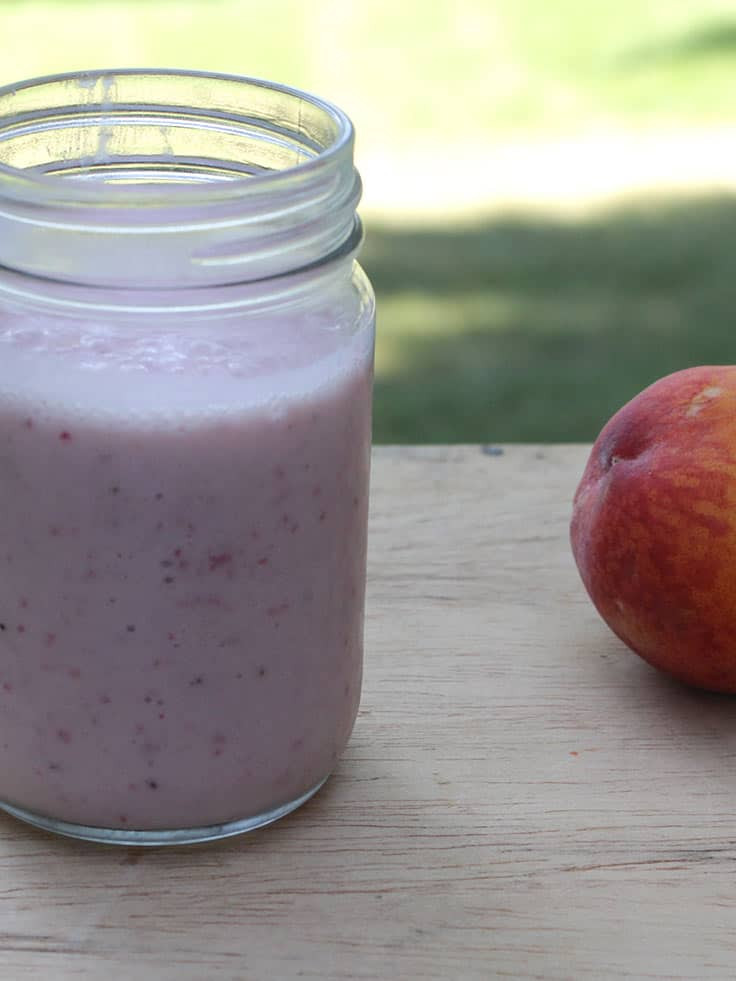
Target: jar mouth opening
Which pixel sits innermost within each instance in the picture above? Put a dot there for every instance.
(148, 178)
(115, 137)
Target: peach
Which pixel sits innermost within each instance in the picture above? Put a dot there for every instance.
(653, 529)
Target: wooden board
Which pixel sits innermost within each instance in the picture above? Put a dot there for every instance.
(521, 797)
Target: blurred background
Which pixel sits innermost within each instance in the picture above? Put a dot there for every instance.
(549, 186)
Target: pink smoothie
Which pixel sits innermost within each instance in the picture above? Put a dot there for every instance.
(182, 564)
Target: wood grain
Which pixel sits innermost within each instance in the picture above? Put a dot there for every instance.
(522, 797)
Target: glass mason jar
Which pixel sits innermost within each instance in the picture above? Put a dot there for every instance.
(186, 352)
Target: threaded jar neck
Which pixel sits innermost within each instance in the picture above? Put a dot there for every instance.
(160, 180)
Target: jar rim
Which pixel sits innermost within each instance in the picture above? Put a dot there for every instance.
(156, 178)
(49, 187)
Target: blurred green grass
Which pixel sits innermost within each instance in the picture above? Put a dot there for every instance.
(415, 71)
(538, 329)
(510, 328)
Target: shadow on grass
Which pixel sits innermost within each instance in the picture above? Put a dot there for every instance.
(532, 329)
(714, 38)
